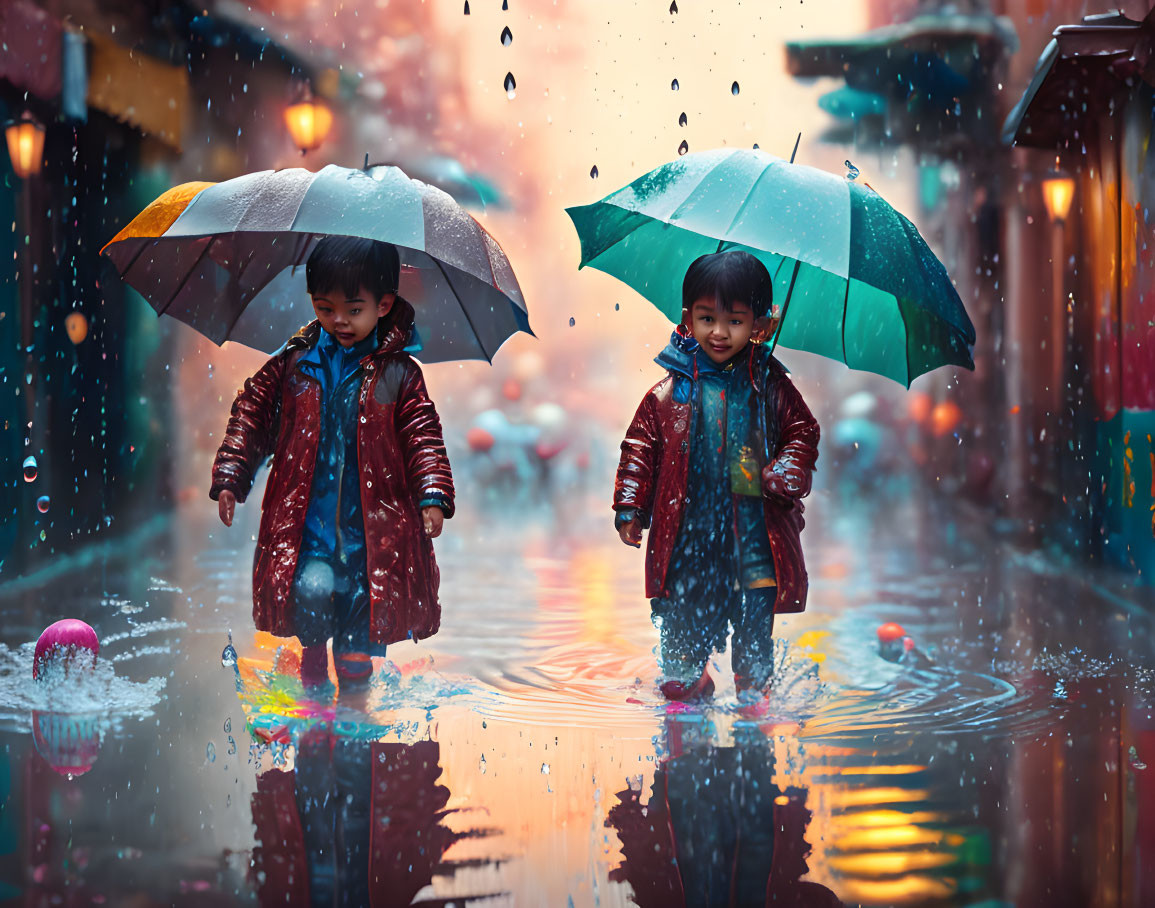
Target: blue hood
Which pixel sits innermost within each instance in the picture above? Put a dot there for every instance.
(679, 354)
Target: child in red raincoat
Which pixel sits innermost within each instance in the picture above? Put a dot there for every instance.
(359, 483)
(716, 463)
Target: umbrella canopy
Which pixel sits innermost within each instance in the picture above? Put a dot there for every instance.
(855, 280)
(226, 258)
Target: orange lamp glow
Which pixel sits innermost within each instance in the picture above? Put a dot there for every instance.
(309, 123)
(25, 146)
(1058, 192)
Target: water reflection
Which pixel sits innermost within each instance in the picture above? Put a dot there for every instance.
(715, 830)
(353, 822)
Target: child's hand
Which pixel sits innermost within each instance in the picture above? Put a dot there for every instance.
(434, 519)
(631, 533)
(226, 505)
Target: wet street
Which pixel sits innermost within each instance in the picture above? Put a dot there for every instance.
(523, 755)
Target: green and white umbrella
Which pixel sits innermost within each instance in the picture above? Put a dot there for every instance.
(854, 279)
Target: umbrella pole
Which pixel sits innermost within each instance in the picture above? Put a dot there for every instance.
(785, 305)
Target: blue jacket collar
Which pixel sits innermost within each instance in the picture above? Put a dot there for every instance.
(683, 352)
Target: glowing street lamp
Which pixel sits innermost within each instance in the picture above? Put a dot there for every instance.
(308, 122)
(25, 146)
(1058, 192)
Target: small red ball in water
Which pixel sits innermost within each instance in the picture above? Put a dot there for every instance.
(71, 642)
(889, 632)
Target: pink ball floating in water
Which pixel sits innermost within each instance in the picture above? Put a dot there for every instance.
(889, 632)
(70, 641)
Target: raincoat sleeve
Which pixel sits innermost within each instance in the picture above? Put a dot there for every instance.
(419, 428)
(638, 467)
(251, 433)
(789, 474)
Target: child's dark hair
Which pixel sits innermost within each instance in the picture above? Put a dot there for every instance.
(349, 263)
(729, 277)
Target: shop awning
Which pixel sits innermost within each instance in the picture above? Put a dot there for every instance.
(1080, 71)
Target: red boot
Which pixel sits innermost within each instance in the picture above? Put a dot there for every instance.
(681, 692)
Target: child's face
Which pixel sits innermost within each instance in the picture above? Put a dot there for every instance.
(351, 319)
(723, 333)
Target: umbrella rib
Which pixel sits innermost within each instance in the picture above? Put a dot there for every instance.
(786, 305)
(139, 252)
(746, 201)
(845, 304)
(187, 274)
(464, 311)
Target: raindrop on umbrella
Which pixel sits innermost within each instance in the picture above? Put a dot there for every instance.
(510, 85)
(467, 7)
(683, 119)
(684, 147)
(851, 171)
(673, 7)
(506, 36)
(594, 172)
(674, 85)
(734, 89)
(30, 468)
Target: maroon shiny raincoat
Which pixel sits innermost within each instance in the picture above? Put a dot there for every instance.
(654, 467)
(402, 461)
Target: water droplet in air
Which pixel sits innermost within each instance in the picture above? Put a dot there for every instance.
(594, 172)
(683, 119)
(572, 321)
(851, 171)
(43, 503)
(229, 656)
(467, 7)
(674, 7)
(481, 764)
(506, 36)
(617, 306)
(545, 769)
(510, 86)
(674, 85)
(30, 468)
(684, 147)
(756, 146)
(734, 89)
(211, 752)
(505, 6)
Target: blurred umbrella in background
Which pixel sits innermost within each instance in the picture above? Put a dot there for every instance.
(226, 257)
(855, 280)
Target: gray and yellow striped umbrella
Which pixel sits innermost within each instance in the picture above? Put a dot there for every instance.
(227, 258)
(855, 280)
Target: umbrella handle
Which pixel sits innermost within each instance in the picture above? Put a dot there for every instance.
(785, 305)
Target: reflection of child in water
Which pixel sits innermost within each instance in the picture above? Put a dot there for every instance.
(742, 844)
(716, 463)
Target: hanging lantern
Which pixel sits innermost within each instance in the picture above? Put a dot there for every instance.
(1058, 191)
(308, 122)
(25, 146)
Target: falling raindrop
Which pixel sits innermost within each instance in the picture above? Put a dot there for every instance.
(572, 321)
(211, 752)
(43, 503)
(594, 172)
(756, 146)
(506, 36)
(734, 89)
(228, 656)
(30, 468)
(674, 85)
(505, 6)
(481, 764)
(467, 7)
(683, 119)
(510, 86)
(617, 306)
(674, 7)
(851, 171)
(545, 769)
(684, 147)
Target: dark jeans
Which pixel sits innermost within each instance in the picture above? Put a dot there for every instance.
(331, 599)
(693, 625)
